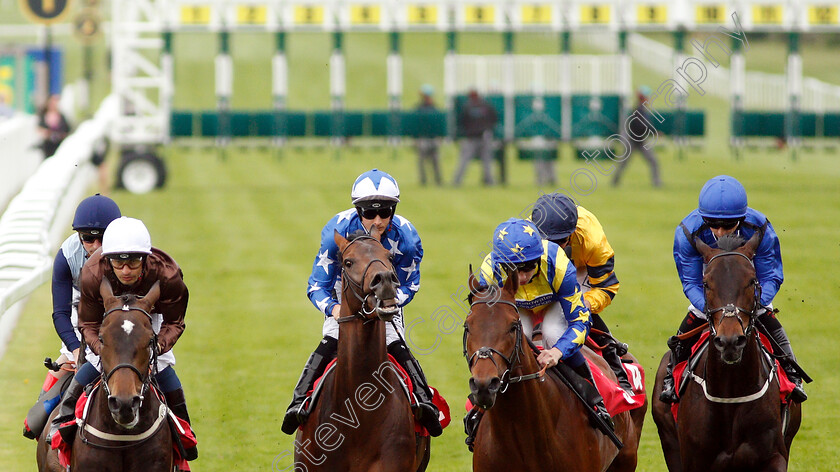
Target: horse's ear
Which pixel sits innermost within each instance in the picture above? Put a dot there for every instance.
(512, 283)
(340, 241)
(107, 292)
(151, 296)
(375, 233)
(751, 246)
(473, 283)
(704, 249)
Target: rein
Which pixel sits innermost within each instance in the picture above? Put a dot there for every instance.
(145, 379)
(486, 352)
(357, 289)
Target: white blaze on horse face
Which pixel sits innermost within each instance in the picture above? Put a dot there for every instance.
(127, 326)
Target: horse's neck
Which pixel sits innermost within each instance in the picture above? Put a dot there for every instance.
(361, 351)
(731, 380)
(526, 402)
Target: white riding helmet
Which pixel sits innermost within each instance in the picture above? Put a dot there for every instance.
(375, 185)
(126, 236)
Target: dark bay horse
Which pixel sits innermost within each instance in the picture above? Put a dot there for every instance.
(532, 424)
(729, 416)
(362, 420)
(126, 428)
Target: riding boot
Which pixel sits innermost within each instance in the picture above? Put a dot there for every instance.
(592, 396)
(178, 404)
(427, 413)
(782, 348)
(296, 414)
(67, 413)
(612, 353)
(49, 397)
(679, 352)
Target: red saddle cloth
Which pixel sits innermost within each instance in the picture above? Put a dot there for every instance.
(785, 385)
(445, 418)
(186, 434)
(616, 399)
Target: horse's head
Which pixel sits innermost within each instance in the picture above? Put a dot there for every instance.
(368, 277)
(127, 342)
(492, 338)
(732, 293)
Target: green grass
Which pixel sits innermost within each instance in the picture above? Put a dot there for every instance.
(246, 228)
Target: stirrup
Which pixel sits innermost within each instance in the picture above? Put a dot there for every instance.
(798, 394)
(428, 416)
(604, 415)
(294, 417)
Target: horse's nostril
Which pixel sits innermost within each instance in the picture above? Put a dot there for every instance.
(113, 403)
(495, 384)
(741, 341)
(135, 402)
(719, 342)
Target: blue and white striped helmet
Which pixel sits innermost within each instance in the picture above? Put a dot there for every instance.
(375, 185)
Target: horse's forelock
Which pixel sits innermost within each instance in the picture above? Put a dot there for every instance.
(730, 242)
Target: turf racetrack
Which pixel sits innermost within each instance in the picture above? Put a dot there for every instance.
(245, 229)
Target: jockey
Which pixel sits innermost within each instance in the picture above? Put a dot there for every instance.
(132, 266)
(579, 233)
(548, 286)
(374, 195)
(89, 222)
(723, 210)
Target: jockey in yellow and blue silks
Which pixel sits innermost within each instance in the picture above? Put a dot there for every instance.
(547, 286)
(579, 233)
(723, 210)
(374, 195)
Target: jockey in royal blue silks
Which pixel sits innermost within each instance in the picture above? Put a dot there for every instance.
(91, 218)
(547, 286)
(723, 210)
(374, 195)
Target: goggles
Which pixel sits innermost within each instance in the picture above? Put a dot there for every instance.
(90, 237)
(722, 224)
(132, 261)
(372, 213)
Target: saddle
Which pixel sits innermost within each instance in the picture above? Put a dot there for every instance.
(407, 389)
(686, 372)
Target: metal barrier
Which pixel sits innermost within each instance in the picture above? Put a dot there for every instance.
(36, 220)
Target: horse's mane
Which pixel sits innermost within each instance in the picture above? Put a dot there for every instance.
(730, 242)
(356, 235)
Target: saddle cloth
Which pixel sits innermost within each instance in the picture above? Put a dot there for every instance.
(785, 385)
(185, 433)
(407, 387)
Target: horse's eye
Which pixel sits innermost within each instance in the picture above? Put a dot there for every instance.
(348, 263)
(513, 328)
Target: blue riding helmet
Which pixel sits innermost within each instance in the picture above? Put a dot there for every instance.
(723, 197)
(555, 215)
(516, 241)
(375, 185)
(95, 213)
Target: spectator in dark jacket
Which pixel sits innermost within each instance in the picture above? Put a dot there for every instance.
(639, 132)
(476, 121)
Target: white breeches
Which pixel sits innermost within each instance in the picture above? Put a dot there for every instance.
(553, 325)
(331, 328)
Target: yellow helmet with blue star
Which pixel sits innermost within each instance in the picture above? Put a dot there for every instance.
(516, 241)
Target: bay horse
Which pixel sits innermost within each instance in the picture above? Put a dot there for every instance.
(532, 423)
(729, 417)
(362, 421)
(126, 428)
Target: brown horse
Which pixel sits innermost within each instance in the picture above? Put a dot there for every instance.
(729, 416)
(363, 421)
(126, 427)
(532, 423)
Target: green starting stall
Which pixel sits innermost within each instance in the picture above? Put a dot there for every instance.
(538, 108)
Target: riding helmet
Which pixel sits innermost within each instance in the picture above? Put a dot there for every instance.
(723, 197)
(126, 236)
(516, 241)
(555, 215)
(94, 214)
(375, 185)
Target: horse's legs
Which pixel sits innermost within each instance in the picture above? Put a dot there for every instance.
(665, 424)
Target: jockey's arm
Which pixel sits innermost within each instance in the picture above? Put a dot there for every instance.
(62, 295)
(91, 310)
(172, 305)
(768, 265)
(577, 316)
(597, 255)
(689, 264)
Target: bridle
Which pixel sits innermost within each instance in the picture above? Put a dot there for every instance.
(144, 378)
(357, 289)
(731, 310)
(486, 352)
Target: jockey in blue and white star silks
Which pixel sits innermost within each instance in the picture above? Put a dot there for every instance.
(547, 286)
(375, 195)
(722, 210)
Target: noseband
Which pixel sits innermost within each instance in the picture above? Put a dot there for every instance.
(144, 378)
(486, 352)
(731, 310)
(357, 289)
